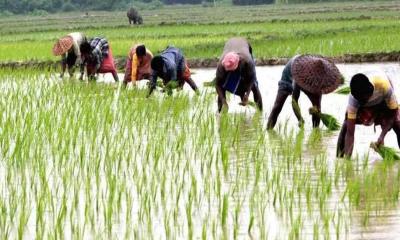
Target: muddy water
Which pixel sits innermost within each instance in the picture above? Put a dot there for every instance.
(386, 224)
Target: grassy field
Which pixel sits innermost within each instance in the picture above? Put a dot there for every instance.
(330, 29)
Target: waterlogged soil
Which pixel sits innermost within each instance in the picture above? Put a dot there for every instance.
(384, 224)
(212, 62)
(328, 214)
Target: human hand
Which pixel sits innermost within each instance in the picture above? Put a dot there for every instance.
(301, 123)
(380, 141)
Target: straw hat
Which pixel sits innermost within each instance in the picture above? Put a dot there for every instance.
(62, 45)
(316, 74)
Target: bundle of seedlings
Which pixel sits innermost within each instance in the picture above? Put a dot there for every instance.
(328, 120)
(170, 86)
(385, 152)
(210, 83)
(343, 90)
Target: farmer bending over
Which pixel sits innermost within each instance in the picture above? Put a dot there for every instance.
(236, 73)
(314, 75)
(138, 64)
(372, 101)
(171, 67)
(97, 56)
(69, 49)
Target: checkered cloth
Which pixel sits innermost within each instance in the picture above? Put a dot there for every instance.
(100, 49)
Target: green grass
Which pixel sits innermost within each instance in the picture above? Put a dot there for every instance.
(312, 28)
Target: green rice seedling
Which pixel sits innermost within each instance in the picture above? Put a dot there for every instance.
(170, 86)
(385, 152)
(328, 120)
(210, 83)
(343, 90)
(296, 108)
(224, 212)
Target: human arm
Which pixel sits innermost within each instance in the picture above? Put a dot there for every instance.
(349, 137)
(63, 64)
(82, 67)
(153, 82)
(249, 75)
(386, 125)
(220, 77)
(98, 58)
(389, 115)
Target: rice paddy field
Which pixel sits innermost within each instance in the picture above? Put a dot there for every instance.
(92, 160)
(330, 29)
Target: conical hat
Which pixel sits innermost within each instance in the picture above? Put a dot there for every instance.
(62, 45)
(316, 74)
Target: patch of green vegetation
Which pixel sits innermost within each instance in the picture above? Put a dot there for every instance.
(274, 31)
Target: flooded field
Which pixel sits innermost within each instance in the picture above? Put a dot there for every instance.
(94, 161)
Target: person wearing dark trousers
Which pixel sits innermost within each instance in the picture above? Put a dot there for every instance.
(371, 102)
(236, 73)
(312, 75)
(172, 68)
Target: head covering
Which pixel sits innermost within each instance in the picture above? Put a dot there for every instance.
(230, 61)
(316, 74)
(62, 45)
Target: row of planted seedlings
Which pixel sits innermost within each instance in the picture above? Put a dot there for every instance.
(333, 38)
(88, 160)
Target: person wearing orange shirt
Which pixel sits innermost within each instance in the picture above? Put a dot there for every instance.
(138, 64)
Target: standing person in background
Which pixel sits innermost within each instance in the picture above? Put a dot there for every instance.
(97, 56)
(172, 68)
(138, 64)
(313, 75)
(236, 73)
(69, 49)
(371, 101)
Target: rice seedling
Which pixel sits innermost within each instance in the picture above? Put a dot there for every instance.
(343, 90)
(88, 160)
(210, 83)
(385, 152)
(328, 120)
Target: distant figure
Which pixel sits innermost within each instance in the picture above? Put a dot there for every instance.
(313, 75)
(138, 64)
(97, 56)
(372, 101)
(236, 73)
(69, 49)
(172, 68)
(134, 17)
